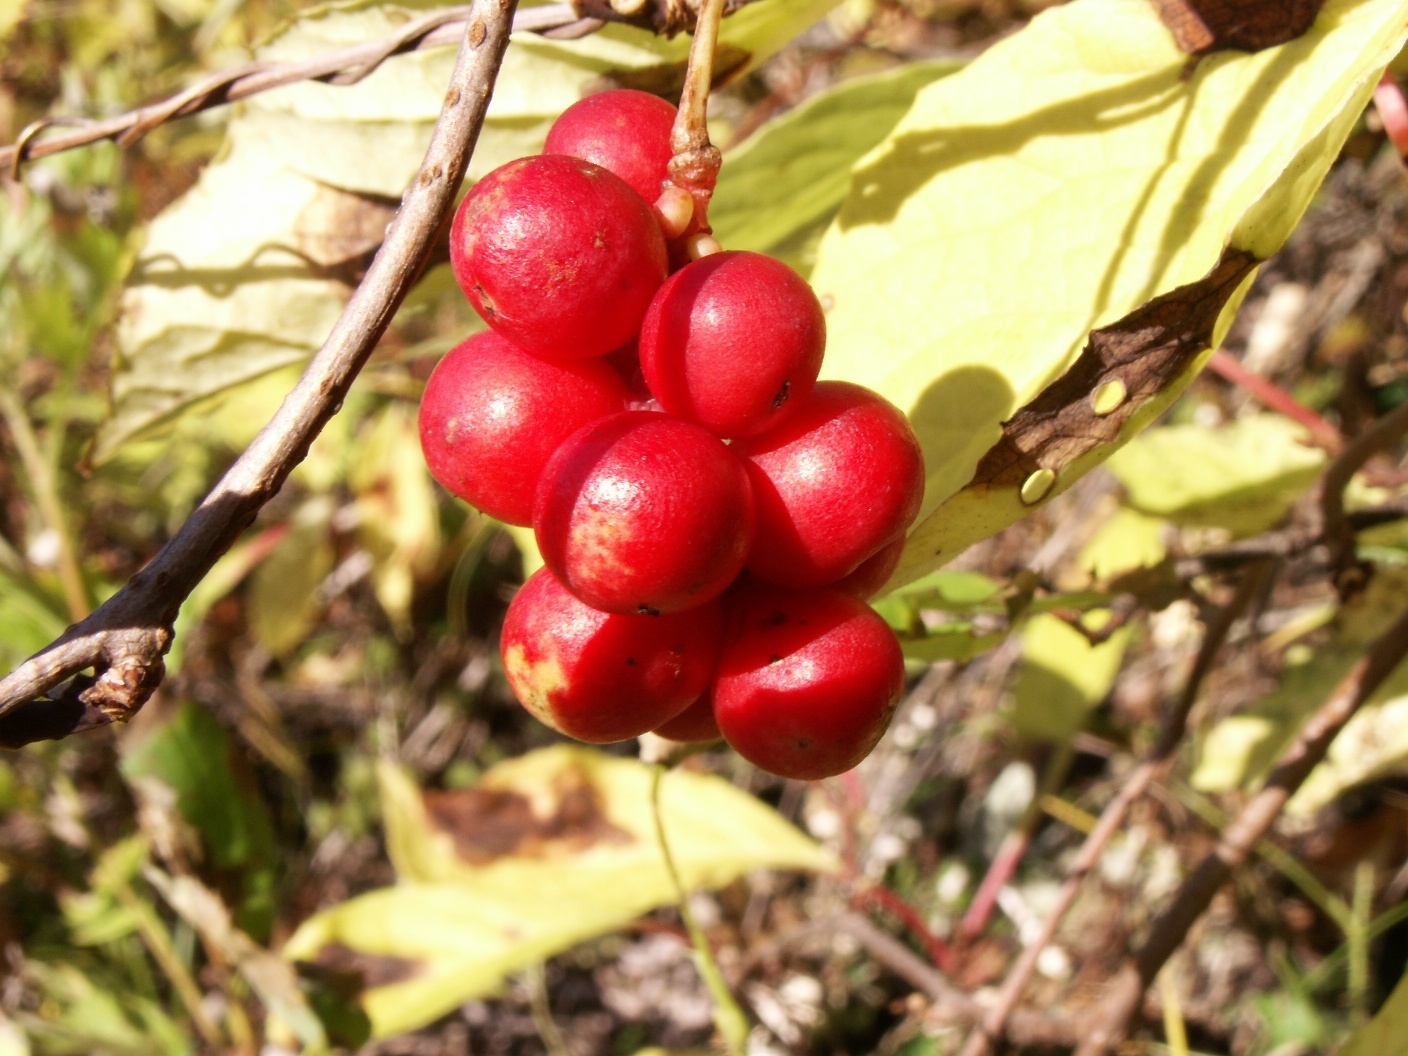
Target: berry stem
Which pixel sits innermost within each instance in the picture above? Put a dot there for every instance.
(695, 166)
(729, 1019)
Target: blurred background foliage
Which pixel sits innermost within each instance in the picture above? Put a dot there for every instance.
(335, 769)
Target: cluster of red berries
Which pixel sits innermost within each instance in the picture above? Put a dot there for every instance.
(711, 517)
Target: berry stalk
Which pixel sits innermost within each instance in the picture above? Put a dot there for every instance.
(729, 1019)
(696, 162)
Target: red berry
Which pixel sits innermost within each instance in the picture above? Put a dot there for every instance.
(839, 480)
(695, 723)
(558, 255)
(807, 681)
(872, 573)
(626, 362)
(734, 342)
(644, 513)
(492, 416)
(602, 677)
(624, 131)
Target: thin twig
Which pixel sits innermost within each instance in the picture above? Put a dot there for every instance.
(849, 805)
(1334, 528)
(342, 66)
(1393, 112)
(1111, 1020)
(540, 1007)
(994, 1023)
(729, 1019)
(125, 639)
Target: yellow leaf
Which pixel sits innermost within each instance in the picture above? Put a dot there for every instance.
(1244, 476)
(283, 600)
(1387, 1033)
(1127, 541)
(793, 172)
(11, 11)
(1068, 176)
(547, 850)
(1062, 677)
(398, 522)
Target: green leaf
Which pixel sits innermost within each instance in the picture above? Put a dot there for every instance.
(1244, 476)
(547, 850)
(950, 641)
(794, 171)
(1387, 1033)
(1126, 542)
(954, 591)
(283, 591)
(81, 1016)
(399, 522)
(29, 619)
(191, 755)
(1062, 677)
(267, 974)
(1068, 176)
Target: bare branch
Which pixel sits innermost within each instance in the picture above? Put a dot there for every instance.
(1114, 1016)
(1334, 529)
(342, 66)
(994, 1024)
(124, 640)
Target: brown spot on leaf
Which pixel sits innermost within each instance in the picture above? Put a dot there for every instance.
(1203, 26)
(1146, 351)
(353, 971)
(488, 823)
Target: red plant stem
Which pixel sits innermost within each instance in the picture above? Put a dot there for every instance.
(849, 806)
(854, 788)
(1013, 848)
(1393, 112)
(939, 951)
(1270, 395)
(1004, 865)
